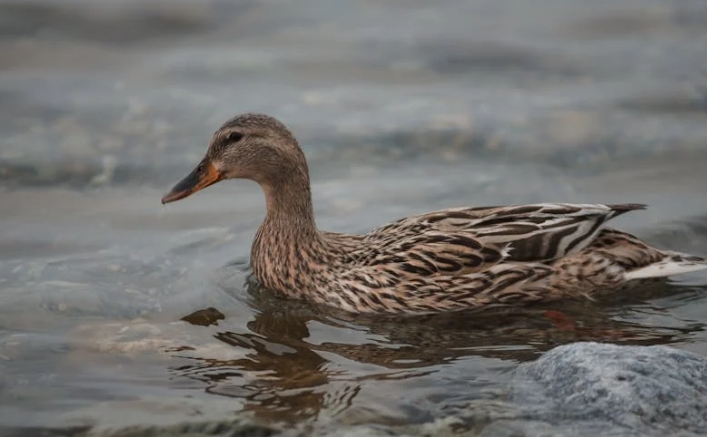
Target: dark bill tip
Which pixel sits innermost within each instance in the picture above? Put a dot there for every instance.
(173, 196)
(202, 176)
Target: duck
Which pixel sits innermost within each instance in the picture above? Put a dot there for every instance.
(464, 258)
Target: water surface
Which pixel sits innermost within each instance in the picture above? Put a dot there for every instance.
(401, 108)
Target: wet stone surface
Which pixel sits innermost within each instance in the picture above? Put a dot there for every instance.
(606, 389)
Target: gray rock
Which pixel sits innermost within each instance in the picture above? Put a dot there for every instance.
(602, 389)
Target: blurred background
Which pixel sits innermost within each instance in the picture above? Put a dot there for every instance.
(401, 107)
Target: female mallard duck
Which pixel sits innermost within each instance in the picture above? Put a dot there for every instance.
(447, 260)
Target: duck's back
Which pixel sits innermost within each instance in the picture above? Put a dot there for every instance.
(471, 257)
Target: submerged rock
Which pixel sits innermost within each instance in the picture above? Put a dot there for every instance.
(601, 389)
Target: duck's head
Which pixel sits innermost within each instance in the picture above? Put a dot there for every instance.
(249, 146)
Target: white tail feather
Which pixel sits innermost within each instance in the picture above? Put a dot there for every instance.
(674, 264)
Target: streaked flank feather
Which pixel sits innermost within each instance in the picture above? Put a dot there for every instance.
(446, 260)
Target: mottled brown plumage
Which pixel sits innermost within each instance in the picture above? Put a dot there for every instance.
(446, 260)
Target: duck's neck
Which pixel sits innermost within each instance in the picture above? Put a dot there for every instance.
(289, 210)
(287, 243)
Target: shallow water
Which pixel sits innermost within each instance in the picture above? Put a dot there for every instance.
(401, 108)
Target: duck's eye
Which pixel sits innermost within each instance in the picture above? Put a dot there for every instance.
(234, 137)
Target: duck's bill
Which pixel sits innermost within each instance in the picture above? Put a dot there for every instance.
(202, 176)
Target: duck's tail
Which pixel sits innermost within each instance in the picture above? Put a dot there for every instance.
(674, 263)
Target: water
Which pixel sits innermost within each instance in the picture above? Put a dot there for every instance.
(401, 108)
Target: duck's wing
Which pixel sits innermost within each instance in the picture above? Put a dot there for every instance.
(466, 240)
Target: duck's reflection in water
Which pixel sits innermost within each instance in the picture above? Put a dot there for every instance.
(286, 375)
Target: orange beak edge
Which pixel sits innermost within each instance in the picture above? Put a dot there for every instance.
(202, 176)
